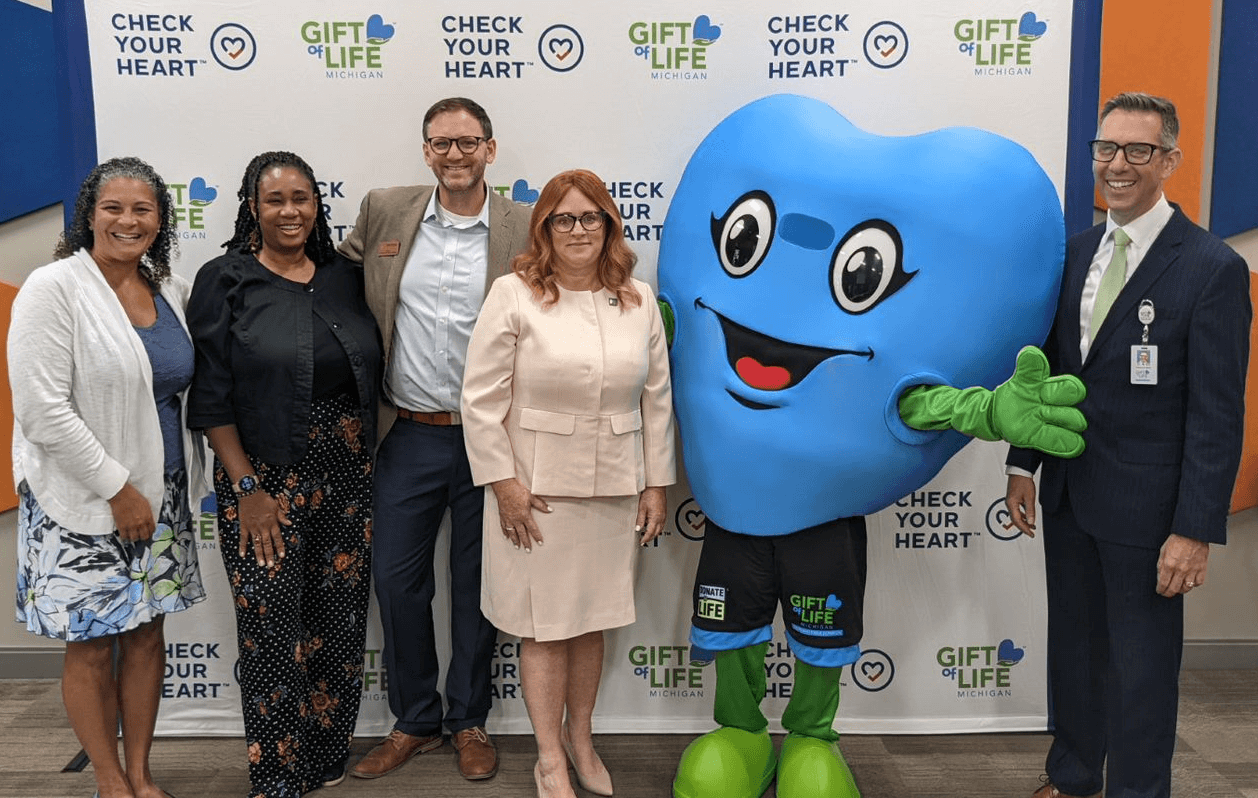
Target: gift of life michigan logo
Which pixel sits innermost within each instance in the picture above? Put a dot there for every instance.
(981, 671)
(191, 200)
(205, 524)
(1000, 47)
(669, 671)
(170, 45)
(519, 191)
(815, 615)
(675, 50)
(348, 49)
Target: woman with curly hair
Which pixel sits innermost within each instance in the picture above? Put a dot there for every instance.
(567, 411)
(287, 379)
(99, 363)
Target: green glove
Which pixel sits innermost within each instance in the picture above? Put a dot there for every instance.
(1031, 409)
(670, 321)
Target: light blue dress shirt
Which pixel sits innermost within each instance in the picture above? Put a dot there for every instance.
(442, 288)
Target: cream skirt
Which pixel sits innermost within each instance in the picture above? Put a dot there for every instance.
(579, 580)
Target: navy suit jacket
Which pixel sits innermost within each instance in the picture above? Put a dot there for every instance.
(1160, 459)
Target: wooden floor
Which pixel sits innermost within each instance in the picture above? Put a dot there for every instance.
(1216, 756)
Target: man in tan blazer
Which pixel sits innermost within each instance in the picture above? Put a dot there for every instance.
(429, 254)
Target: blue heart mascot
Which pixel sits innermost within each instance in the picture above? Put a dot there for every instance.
(841, 304)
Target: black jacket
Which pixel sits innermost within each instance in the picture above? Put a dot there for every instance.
(255, 350)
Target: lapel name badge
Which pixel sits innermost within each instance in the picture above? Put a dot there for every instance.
(1144, 364)
(389, 249)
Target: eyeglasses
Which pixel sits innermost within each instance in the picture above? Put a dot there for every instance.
(467, 144)
(1136, 153)
(564, 222)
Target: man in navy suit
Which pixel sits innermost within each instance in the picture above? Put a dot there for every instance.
(1154, 317)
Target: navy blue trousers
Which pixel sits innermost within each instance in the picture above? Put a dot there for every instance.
(421, 471)
(1114, 649)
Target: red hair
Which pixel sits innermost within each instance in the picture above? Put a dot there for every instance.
(536, 265)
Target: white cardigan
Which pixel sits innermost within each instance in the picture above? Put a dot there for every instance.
(86, 421)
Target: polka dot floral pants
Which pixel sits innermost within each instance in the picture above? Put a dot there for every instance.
(301, 624)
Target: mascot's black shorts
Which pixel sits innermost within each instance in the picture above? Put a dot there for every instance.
(817, 574)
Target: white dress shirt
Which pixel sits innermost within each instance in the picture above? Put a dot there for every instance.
(1143, 231)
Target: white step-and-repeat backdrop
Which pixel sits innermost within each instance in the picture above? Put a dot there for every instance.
(955, 612)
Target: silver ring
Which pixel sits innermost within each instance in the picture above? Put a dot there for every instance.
(1190, 583)
(508, 529)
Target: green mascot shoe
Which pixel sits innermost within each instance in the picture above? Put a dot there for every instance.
(812, 768)
(726, 763)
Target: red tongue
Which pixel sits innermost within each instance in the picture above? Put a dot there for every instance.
(765, 378)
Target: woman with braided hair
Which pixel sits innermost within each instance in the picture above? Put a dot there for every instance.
(99, 362)
(286, 384)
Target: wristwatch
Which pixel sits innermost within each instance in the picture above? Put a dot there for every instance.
(247, 485)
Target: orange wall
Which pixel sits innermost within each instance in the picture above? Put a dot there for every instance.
(1246, 493)
(8, 495)
(1163, 47)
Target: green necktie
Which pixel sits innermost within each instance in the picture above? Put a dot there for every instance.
(1112, 281)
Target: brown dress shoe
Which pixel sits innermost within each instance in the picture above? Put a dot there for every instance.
(392, 753)
(1049, 791)
(478, 759)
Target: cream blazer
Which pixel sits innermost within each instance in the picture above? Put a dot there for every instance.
(572, 399)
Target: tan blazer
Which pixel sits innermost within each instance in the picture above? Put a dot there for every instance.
(388, 222)
(572, 399)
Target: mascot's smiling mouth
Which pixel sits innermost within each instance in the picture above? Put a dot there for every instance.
(770, 364)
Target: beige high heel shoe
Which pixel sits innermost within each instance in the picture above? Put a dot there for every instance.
(599, 784)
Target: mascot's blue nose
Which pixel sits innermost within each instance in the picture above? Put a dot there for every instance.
(804, 231)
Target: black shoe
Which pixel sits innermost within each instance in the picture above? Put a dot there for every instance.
(335, 774)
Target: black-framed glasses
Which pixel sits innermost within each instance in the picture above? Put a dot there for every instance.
(1136, 153)
(466, 144)
(564, 222)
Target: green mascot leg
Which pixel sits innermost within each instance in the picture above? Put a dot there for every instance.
(811, 764)
(736, 760)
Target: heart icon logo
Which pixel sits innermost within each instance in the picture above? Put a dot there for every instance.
(232, 46)
(1009, 654)
(695, 519)
(832, 602)
(764, 378)
(873, 670)
(377, 31)
(560, 48)
(520, 192)
(1029, 28)
(201, 194)
(704, 32)
(885, 45)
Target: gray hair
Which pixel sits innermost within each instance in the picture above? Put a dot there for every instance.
(1140, 102)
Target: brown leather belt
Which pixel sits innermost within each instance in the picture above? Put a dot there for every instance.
(433, 419)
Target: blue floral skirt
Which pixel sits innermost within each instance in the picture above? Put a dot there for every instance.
(76, 587)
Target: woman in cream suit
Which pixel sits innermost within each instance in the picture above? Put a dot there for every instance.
(567, 415)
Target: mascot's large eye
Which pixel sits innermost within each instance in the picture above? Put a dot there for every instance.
(867, 266)
(742, 236)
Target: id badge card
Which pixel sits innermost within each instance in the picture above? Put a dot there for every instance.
(1144, 364)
